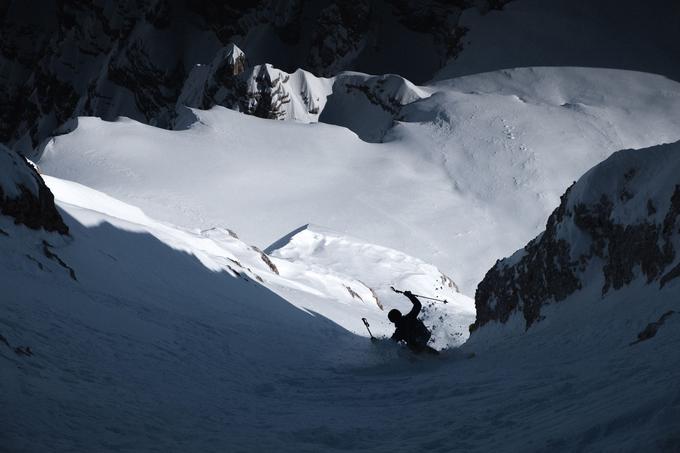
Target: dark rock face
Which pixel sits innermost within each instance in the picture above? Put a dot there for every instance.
(259, 91)
(652, 328)
(35, 210)
(621, 233)
(546, 272)
(267, 100)
(646, 245)
(338, 36)
(221, 83)
(132, 57)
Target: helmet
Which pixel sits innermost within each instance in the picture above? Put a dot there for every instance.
(394, 315)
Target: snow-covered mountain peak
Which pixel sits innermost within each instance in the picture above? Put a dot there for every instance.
(260, 90)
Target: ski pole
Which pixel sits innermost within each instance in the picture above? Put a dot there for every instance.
(423, 297)
(367, 327)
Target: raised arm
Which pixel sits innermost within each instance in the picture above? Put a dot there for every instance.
(416, 305)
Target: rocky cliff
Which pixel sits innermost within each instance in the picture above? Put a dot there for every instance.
(24, 195)
(62, 59)
(617, 225)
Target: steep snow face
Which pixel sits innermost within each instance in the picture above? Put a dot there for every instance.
(24, 196)
(140, 337)
(377, 268)
(617, 230)
(469, 174)
(130, 313)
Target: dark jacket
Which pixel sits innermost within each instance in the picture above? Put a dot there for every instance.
(411, 329)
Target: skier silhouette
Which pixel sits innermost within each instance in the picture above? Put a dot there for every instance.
(410, 329)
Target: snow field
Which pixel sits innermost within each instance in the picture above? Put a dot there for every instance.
(467, 175)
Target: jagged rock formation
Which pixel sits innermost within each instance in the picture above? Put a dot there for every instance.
(619, 223)
(652, 328)
(262, 90)
(339, 36)
(348, 99)
(24, 195)
(134, 57)
(216, 83)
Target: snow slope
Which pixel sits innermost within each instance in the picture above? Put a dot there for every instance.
(330, 253)
(622, 34)
(332, 288)
(446, 185)
(154, 345)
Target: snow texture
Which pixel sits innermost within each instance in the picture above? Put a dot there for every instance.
(157, 347)
(466, 175)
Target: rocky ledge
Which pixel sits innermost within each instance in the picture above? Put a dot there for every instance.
(24, 195)
(617, 224)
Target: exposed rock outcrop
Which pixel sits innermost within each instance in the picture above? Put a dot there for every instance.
(134, 57)
(652, 328)
(339, 36)
(24, 195)
(620, 222)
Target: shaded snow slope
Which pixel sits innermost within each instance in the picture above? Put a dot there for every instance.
(153, 345)
(622, 34)
(469, 173)
(135, 333)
